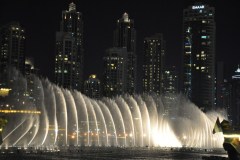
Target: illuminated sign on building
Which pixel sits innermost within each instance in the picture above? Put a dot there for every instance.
(198, 7)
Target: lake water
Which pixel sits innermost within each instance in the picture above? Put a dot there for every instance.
(113, 154)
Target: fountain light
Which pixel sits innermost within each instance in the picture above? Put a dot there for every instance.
(126, 120)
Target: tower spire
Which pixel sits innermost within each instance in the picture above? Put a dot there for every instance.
(72, 7)
(125, 17)
(238, 69)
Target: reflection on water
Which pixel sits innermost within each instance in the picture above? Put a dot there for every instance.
(110, 153)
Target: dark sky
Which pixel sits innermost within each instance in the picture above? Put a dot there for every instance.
(41, 19)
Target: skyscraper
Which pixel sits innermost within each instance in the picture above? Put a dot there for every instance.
(114, 75)
(170, 81)
(125, 36)
(92, 87)
(153, 63)
(220, 85)
(30, 73)
(235, 95)
(199, 55)
(29, 66)
(69, 50)
(12, 50)
(169, 89)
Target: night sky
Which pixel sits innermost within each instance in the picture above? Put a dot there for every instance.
(41, 20)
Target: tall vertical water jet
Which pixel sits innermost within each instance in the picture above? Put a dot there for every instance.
(61, 117)
(128, 121)
(44, 123)
(93, 123)
(137, 119)
(82, 118)
(73, 121)
(145, 120)
(102, 133)
(111, 128)
(55, 127)
(118, 121)
(153, 116)
(49, 110)
(70, 118)
(35, 128)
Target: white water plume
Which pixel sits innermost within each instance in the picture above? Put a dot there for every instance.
(70, 118)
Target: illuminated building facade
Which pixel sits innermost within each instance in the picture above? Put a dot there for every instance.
(92, 87)
(170, 80)
(199, 55)
(235, 96)
(12, 50)
(219, 84)
(223, 92)
(225, 97)
(69, 50)
(29, 66)
(30, 73)
(125, 36)
(115, 72)
(153, 63)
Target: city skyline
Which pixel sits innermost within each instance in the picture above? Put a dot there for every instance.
(78, 75)
(149, 19)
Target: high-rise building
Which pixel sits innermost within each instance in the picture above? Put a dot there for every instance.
(69, 50)
(125, 36)
(153, 63)
(225, 98)
(199, 55)
(29, 66)
(12, 50)
(30, 72)
(235, 95)
(115, 71)
(170, 81)
(220, 85)
(92, 87)
(170, 91)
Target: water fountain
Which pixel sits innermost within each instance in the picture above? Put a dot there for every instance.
(70, 118)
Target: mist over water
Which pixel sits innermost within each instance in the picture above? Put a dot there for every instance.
(71, 118)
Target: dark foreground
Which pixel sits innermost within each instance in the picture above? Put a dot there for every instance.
(111, 153)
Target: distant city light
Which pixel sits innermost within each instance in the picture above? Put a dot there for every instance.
(198, 7)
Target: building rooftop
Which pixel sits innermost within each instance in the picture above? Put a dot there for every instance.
(237, 74)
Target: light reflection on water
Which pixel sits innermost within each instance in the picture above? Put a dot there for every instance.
(115, 153)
